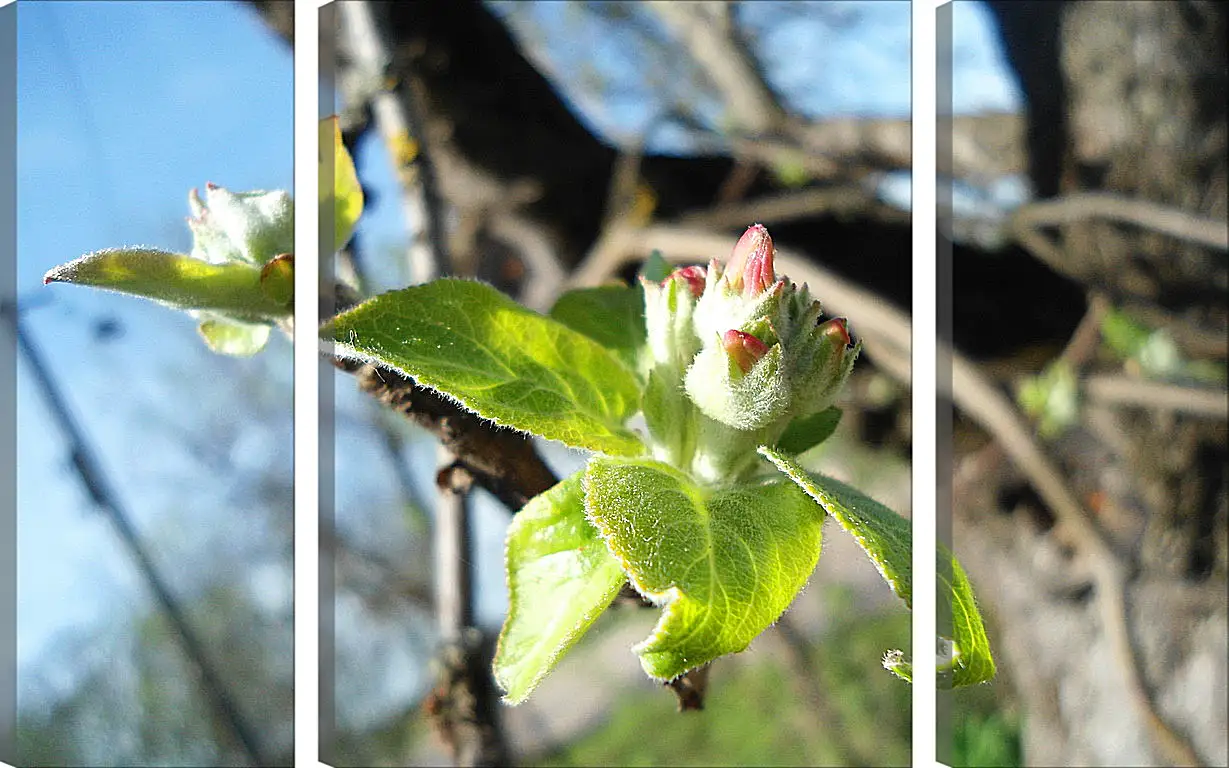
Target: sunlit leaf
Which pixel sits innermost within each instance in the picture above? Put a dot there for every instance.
(506, 363)
(887, 539)
(180, 281)
(806, 433)
(724, 563)
(560, 579)
(235, 339)
(613, 316)
(341, 201)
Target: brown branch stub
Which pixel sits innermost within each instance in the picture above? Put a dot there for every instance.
(462, 707)
(690, 688)
(503, 462)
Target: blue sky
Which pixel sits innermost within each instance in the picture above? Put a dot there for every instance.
(124, 107)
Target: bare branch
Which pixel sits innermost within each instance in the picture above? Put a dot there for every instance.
(503, 462)
(1124, 390)
(707, 32)
(1030, 219)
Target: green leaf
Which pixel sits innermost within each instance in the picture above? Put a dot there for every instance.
(804, 434)
(500, 360)
(341, 201)
(887, 538)
(560, 579)
(973, 662)
(235, 339)
(656, 268)
(726, 563)
(613, 316)
(179, 281)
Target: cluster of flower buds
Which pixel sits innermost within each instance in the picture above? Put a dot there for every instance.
(251, 227)
(735, 355)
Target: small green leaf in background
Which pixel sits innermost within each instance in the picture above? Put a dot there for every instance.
(804, 434)
(725, 563)
(343, 204)
(560, 578)
(887, 538)
(174, 279)
(1051, 399)
(234, 339)
(500, 360)
(613, 316)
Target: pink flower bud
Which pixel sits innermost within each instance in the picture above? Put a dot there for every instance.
(694, 277)
(750, 269)
(837, 328)
(743, 348)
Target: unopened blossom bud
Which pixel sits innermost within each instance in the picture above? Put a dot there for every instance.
(750, 269)
(743, 348)
(694, 276)
(252, 227)
(837, 328)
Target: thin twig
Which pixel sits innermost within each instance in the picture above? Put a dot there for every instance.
(707, 32)
(690, 688)
(503, 462)
(1027, 223)
(841, 200)
(1125, 390)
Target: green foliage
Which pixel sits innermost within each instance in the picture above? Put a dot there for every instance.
(613, 316)
(500, 360)
(887, 539)
(1153, 352)
(179, 281)
(560, 579)
(725, 563)
(341, 202)
(685, 512)
(1051, 399)
(804, 434)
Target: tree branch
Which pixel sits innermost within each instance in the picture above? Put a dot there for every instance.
(503, 462)
(707, 32)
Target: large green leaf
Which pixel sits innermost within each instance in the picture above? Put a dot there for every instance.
(506, 363)
(177, 280)
(726, 563)
(560, 579)
(613, 316)
(887, 539)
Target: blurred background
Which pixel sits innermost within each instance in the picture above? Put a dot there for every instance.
(122, 109)
(566, 140)
(1090, 497)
